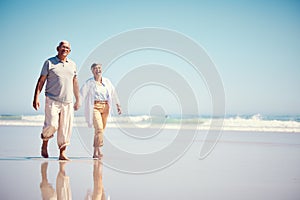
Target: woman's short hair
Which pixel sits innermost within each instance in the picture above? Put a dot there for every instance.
(95, 64)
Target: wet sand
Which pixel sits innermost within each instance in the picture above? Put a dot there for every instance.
(243, 165)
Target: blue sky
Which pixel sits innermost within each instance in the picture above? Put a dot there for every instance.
(255, 45)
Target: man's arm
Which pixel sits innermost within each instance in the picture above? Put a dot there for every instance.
(76, 93)
(38, 89)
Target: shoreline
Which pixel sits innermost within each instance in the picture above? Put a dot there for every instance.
(176, 127)
(253, 123)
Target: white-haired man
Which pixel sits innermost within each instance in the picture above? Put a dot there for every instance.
(61, 75)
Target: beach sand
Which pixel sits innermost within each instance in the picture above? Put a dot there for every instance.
(243, 165)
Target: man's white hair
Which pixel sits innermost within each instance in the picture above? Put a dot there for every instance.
(63, 42)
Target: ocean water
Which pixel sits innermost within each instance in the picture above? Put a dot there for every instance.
(257, 122)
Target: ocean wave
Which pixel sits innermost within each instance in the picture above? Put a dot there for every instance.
(255, 122)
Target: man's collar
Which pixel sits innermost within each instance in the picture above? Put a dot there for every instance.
(59, 60)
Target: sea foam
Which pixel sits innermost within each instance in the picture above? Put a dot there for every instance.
(290, 124)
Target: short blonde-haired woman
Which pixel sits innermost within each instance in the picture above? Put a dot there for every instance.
(98, 94)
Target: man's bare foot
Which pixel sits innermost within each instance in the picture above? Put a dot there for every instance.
(44, 151)
(62, 155)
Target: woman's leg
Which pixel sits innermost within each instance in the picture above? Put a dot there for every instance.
(98, 126)
(104, 114)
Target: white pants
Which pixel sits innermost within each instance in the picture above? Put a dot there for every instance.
(58, 117)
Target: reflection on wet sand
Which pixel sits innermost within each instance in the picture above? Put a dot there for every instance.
(98, 192)
(47, 190)
(63, 189)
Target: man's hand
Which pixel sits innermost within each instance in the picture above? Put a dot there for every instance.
(76, 105)
(36, 104)
(39, 86)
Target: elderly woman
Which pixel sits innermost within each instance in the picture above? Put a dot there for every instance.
(98, 94)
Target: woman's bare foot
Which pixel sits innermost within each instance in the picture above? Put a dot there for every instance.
(97, 153)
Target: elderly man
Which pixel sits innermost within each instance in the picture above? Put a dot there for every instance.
(61, 76)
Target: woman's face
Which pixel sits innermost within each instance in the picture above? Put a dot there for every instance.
(97, 70)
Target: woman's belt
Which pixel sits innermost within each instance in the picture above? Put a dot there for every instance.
(103, 102)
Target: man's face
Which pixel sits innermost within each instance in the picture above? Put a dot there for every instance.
(64, 49)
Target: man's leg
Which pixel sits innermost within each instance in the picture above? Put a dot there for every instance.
(65, 129)
(50, 125)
